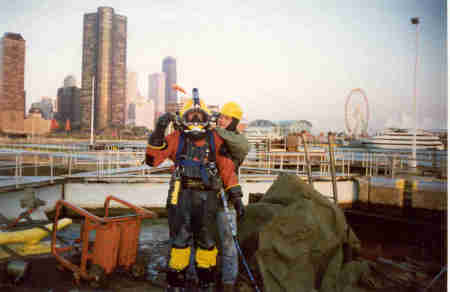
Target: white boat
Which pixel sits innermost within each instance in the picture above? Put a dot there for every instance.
(394, 138)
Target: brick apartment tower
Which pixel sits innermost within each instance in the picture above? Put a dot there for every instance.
(12, 83)
(104, 56)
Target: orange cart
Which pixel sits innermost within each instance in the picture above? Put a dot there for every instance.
(115, 245)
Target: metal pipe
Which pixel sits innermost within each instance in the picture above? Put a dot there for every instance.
(236, 242)
(332, 166)
(308, 163)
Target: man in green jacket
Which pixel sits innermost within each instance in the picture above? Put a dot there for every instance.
(238, 148)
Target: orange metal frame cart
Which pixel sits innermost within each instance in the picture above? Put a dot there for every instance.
(116, 239)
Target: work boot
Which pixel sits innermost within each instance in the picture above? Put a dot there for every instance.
(227, 287)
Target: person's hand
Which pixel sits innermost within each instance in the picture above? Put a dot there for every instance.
(157, 137)
(239, 207)
(165, 120)
(235, 195)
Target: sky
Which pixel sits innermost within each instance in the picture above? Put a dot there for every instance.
(279, 60)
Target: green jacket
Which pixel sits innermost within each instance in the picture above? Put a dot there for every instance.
(237, 145)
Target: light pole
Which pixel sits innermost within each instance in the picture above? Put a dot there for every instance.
(415, 21)
(92, 111)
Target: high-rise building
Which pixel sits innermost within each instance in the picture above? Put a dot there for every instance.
(12, 82)
(70, 81)
(131, 114)
(132, 84)
(169, 67)
(174, 107)
(144, 114)
(104, 57)
(157, 92)
(46, 106)
(138, 99)
(68, 103)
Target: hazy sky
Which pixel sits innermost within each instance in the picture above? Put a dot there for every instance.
(279, 59)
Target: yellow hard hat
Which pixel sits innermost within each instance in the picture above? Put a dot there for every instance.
(231, 109)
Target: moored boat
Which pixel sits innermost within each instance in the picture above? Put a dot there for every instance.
(394, 138)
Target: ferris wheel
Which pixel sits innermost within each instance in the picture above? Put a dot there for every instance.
(357, 113)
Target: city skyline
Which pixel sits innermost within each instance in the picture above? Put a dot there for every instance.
(303, 57)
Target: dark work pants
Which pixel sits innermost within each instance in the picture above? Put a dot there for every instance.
(191, 221)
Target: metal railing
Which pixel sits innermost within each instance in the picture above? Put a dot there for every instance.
(106, 162)
(369, 162)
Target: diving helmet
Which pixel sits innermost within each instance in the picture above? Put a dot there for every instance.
(195, 117)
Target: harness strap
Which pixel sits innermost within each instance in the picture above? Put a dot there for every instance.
(179, 149)
(199, 164)
(212, 153)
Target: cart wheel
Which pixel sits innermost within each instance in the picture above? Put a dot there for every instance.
(97, 275)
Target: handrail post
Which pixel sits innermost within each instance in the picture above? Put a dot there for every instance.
(308, 163)
(332, 166)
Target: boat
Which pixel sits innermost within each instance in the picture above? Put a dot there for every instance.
(402, 139)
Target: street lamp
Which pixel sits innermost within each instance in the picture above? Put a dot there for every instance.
(92, 111)
(415, 21)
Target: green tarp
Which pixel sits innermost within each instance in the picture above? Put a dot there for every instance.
(300, 240)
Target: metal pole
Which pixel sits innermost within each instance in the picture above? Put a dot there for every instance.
(233, 228)
(92, 110)
(415, 21)
(51, 167)
(308, 163)
(32, 129)
(70, 164)
(35, 165)
(332, 166)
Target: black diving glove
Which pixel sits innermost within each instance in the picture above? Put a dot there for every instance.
(235, 195)
(239, 207)
(157, 136)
